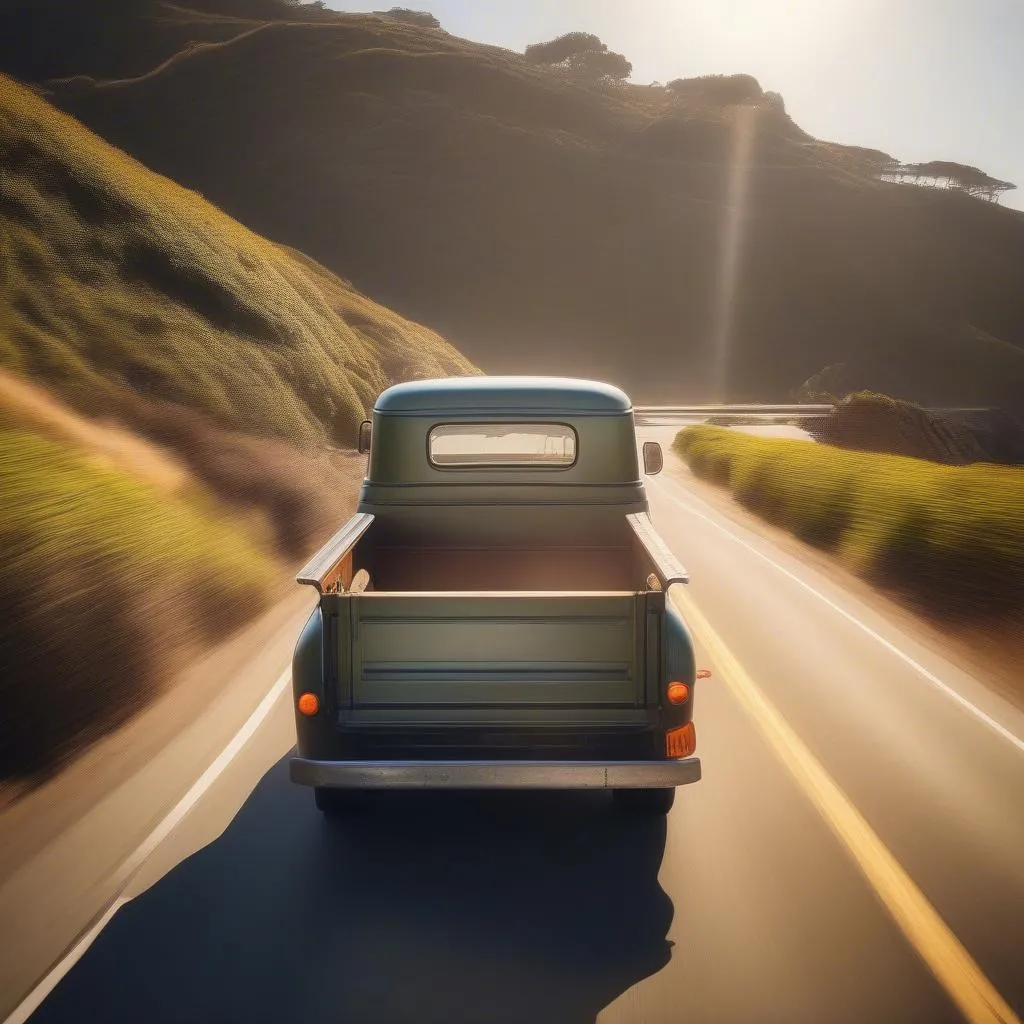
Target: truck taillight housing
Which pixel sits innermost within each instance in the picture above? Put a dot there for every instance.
(677, 693)
(681, 742)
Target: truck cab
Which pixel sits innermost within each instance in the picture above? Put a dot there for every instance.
(494, 615)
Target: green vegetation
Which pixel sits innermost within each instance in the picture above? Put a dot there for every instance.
(950, 175)
(136, 301)
(581, 54)
(108, 583)
(949, 539)
(119, 284)
(423, 19)
(719, 88)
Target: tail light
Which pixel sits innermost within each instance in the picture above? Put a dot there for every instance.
(308, 704)
(681, 742)
(677, 693)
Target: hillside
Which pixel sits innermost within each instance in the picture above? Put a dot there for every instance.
(122, 290)
(118, 566)
(171, 387)
(542, 225)
(121, 38)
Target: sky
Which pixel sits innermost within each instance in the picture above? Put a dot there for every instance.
(920, 79)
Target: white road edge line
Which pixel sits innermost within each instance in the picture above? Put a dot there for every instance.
(887, 644)
(131, 866)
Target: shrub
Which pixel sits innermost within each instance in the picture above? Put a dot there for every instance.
(718, 88)
(569, 45)
(422, 19)
(949, 538)
(582, 54)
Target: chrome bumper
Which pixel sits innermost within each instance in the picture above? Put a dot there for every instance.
(495, 774)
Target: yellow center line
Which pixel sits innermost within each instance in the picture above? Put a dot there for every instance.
(931, 937)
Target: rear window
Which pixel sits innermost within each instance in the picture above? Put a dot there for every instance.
(502, 444)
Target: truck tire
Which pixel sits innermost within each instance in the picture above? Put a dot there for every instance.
(646, 801)
(334, 802)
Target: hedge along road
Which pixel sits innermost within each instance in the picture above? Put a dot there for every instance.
(851, 854)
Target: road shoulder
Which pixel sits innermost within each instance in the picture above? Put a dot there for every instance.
(61, 846)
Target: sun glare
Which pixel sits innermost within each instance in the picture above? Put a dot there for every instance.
(788, 25)
(731, 248)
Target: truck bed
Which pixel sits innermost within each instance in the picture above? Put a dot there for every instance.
(458, 633)
(504, 569)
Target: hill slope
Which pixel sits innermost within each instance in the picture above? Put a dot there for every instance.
(117, 283)
(543, 225)
(113, 577)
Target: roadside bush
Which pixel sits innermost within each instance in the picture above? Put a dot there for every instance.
(582, 54)
(108, 584)
(718, 88)
(421, 19)
(948, 538)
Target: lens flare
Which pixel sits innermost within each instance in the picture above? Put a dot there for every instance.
(744, 127)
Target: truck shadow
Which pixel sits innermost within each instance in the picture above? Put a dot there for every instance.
(446, 907)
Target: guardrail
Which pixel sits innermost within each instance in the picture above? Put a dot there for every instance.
(731, 410)
(647, 411)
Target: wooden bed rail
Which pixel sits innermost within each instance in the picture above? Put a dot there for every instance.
(330, 569)
(665, 563)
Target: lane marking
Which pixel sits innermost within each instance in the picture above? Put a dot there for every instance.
(950, 963)
(988, 720)
(135, 861)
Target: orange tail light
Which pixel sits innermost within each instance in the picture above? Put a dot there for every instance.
(309, 704)
(677, 693)
(681, 742)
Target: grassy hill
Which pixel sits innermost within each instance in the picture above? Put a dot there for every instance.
(120, 287)
(169, 384)
(544, 225)
(118, 565)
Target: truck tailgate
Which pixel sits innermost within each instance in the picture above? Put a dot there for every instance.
(492, 649)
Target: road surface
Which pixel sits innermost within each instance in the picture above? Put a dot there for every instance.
(854, 853)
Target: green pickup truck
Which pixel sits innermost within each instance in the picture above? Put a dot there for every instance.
(494, 614)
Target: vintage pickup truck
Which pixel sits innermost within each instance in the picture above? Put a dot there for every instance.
(494, 615)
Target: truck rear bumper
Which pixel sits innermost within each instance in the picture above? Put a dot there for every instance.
(495, 774)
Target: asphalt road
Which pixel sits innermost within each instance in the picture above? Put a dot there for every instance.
(751, 903)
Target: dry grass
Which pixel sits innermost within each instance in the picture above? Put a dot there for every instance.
(34, 409)
(950, 539)
(109, 583)
(298, 495)
(291, 497)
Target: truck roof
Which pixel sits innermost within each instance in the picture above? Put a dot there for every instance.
(499, 395)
